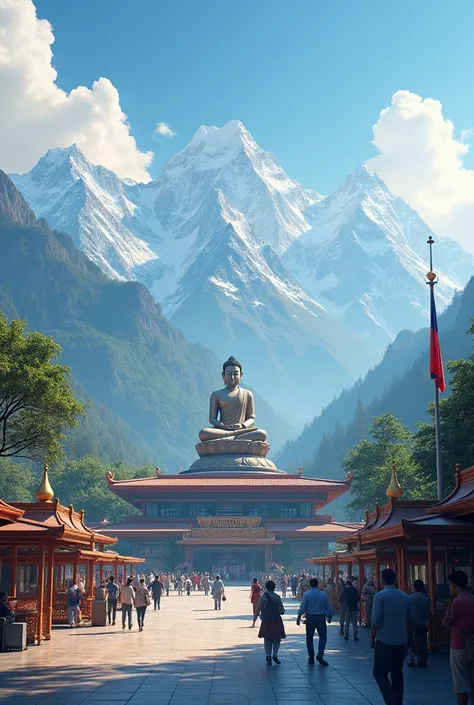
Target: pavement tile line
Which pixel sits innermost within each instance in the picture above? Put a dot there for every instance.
(189, 654)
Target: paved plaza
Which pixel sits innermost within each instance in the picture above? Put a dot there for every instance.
(191, 654)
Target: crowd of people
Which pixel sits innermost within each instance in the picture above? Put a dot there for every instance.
(398, 620)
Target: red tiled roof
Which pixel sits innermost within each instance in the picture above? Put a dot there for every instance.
(461, 499)
(193, 481)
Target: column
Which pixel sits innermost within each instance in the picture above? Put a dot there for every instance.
(50, 594)
(377, 571)
(402, 567)
(431, 576)
(40, 595)
(90, 579)
(14, 569)
(74, 571)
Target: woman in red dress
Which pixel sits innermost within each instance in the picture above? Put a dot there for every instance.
(255, 594)
(270, 608)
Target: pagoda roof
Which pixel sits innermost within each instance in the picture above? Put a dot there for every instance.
(8, 512)
(217, 482)
(320, 527)
(461, 499)
(61, 522)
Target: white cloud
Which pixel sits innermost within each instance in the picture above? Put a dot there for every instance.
(421, 160)
(163, 129)
(35, 114)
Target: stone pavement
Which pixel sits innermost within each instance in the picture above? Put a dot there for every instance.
(190, 654)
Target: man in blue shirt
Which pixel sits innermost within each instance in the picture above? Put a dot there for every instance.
(317, 608)
(392, 624)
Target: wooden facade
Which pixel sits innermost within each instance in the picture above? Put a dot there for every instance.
(417, 539)
(43, 547)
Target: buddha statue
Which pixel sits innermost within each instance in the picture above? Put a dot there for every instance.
(232, 409)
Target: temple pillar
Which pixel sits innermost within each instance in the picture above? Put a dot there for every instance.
(50, 594)
(40, 596)
(431, 576)
(14, 569)
(74, 571)
(402, 568)
(377, 572)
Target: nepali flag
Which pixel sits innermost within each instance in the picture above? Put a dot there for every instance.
(436, 361)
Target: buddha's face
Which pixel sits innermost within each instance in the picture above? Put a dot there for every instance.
(231, 376)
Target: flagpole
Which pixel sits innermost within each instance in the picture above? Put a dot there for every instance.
(439, 464)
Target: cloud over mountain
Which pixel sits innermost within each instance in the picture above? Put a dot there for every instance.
(421, 160)
(36, 114)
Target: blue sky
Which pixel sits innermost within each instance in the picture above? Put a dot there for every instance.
(308, 79)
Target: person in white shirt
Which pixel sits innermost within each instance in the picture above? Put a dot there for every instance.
(127, 594)
(217, 592)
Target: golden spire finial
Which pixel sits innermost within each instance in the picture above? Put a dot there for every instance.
(44, 493)
(394, 490)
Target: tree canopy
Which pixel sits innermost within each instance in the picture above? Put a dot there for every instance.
(36, 399)
(371, 461)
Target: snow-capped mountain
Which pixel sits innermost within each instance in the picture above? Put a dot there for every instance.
(365, 259)
(216, 236)
(237, 295)
(93, 205)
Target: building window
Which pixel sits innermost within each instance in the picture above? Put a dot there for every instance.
(288, 511)
(199, 510)
(306, 509)
(155, 510)
(235, 510)
(258, 510)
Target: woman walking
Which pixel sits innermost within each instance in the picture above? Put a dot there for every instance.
(255, 595)
(270, 608)
(142, 601)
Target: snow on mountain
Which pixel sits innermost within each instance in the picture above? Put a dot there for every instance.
(365, 259)
(94, 206)
(237, 295)
(216, 236)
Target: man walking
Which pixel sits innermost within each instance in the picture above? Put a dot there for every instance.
(317, 608)
(294, 585)
(73, 604)
(460, 617)
(157, 588)
(352, 611)
(112, 596)
(217, 592)
(342, 606)
(128, 600)
(392, 625)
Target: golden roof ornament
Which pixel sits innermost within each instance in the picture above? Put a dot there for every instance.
(45, 493)
(394, 491)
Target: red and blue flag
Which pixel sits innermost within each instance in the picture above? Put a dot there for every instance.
(436, 360)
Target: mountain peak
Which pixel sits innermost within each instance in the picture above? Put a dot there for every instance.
(211, 133)
(13, 206)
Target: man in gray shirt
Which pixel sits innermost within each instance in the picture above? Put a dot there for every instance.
(392, 625)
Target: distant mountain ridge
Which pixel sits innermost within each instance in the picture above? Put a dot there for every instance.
(133, 365)
(336, 273)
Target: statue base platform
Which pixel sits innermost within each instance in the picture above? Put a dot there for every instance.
(233, 456)
(223, 446)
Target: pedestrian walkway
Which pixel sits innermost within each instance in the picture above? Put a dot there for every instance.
(190, 654)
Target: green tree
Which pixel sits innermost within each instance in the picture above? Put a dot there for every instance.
(83, 484)
(17, 483)
(36, 400)
(457, 423)
(370, 461)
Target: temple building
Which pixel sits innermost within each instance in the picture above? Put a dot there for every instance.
(233, 506)
(239, 519)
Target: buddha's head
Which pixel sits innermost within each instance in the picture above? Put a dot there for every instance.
(231, 373)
